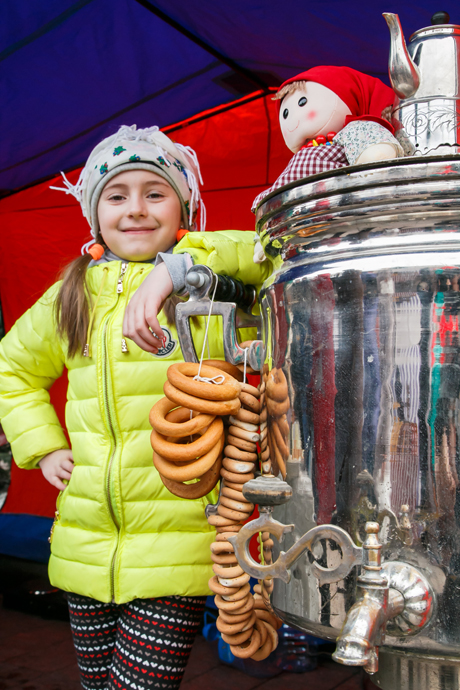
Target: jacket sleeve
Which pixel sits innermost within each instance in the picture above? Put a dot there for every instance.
(228, 252)
(31, 359)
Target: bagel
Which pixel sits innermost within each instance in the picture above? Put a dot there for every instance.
(190, 451)
(247, 426)
(238, 454)
(224, 558)
(233, 528)
(190, 471)
(181, 376)
(236, 478)
(241, 594)
(266, 647)
(263, 614)
(277, 409)
(227, 572)
(277, 387)
(237, 638)
(236, 628)
(215, 586)
(231, 485)
(244, 652)
(234, 581)
(224, 366)
(238, 466)
(232, 618)
(239, 432)
(219, 521)
(221, 603)
(219, 547)
(202, 487)
(279, 440)
(247, 416)
(225, 407)
(236, 515)
(243, 505)
(241, 443)
(234, 494)
(172, 423)
(250, 401)
(252, 390)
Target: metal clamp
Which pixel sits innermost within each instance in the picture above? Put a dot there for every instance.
(200, 282)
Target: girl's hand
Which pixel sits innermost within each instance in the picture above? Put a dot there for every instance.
(57, 466)
(141, 313)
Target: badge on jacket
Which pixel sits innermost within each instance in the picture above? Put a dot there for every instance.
(169, 346)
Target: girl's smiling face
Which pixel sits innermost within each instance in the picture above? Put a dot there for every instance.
(309, 111)
(139, 215)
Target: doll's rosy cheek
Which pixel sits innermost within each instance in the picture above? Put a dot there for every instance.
(311, 115)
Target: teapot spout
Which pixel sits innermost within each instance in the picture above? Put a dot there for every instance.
(404, 75)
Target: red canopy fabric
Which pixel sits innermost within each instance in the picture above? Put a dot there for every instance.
(241, 153)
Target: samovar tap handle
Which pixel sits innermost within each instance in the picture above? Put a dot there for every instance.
(202, 284)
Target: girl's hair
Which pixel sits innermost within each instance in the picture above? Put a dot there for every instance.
(73, 304)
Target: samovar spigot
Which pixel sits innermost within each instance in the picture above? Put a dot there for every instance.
(364, 628)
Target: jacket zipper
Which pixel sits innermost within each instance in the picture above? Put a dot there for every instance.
(112, 455)
(124, 266)
(105, 376)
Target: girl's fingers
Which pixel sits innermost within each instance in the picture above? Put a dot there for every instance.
(64, 474)
(55, 481)
(67, 465)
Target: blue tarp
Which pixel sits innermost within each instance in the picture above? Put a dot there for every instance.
(72, 72)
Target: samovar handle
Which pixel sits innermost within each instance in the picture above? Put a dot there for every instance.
(204, 286)
(268, 491)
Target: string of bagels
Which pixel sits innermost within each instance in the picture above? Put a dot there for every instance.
(206, 429)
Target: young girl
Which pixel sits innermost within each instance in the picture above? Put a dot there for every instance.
(133, 557)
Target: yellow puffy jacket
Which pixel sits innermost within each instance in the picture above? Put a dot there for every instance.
(120, 534)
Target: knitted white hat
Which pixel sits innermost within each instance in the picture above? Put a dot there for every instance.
(139, 149)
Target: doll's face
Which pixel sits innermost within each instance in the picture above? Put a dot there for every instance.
(311, 111)
(139, 214)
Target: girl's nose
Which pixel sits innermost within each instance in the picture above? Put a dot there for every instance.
(137, 206)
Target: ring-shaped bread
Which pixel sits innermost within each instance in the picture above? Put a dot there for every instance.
(246, 651)
(176, 422)
(277, 387)
(223, 407)
(225, 366)
(202, 487)
(181, 376)
(192, 470)
(178, 452)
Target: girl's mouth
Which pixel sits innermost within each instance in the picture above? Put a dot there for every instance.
(137, 230)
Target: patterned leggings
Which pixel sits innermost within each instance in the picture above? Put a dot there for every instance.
(140, 645)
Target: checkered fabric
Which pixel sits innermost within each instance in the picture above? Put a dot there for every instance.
(306, 162)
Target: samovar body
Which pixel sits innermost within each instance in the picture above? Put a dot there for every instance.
(361, 322)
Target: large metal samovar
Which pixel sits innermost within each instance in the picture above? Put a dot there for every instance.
(361, 325)
(361, 387)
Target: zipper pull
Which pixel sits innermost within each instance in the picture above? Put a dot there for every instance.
(124, 266)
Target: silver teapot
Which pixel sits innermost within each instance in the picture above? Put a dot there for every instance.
(425, 78)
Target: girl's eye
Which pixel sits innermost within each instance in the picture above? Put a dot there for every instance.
(285, 113)
(116, 197)
(302, 101)
(155, 195)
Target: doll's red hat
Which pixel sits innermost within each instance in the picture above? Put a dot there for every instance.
(367, 97)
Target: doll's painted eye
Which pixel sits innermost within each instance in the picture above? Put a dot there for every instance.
(285, 113)
(302, 101)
